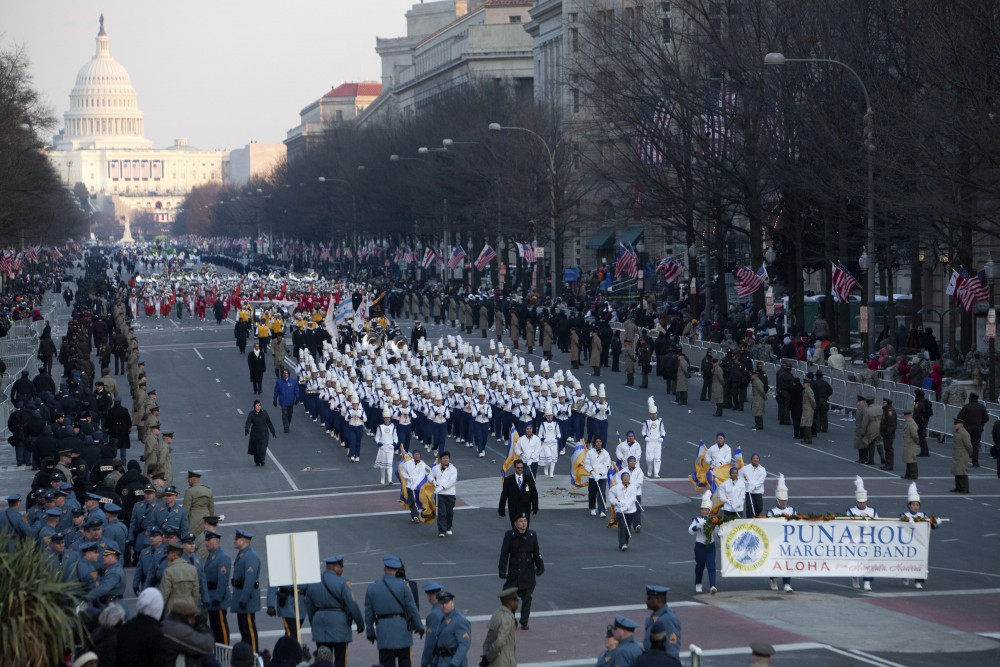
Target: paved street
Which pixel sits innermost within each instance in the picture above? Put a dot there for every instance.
(308, 484)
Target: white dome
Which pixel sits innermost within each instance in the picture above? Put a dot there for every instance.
(104, 110)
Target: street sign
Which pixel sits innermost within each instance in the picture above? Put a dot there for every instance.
(769, 301)
(571, 275)
(991, 316)
(539, 252)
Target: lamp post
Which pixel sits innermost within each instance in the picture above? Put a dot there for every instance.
(865, 323)
(869, 146)
(553, 208)
(354, 213)
(990, 270)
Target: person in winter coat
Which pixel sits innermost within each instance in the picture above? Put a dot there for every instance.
(808, 411)
(104, 638)
(887, 429)
(286, 395)
(574, 348)
(960, 457)
(186, 634)
(257, 425)
(681, 386)
(242, 332)
(257, 363)
(596, 347)
(758, 396)
(795, 407)
(499, 644)
(140, 640)
(520, 563)
(718, 387)
(911, 445)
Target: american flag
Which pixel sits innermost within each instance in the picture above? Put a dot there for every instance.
(749, 282)
(651, 135)
(7, 264)
(972, 289)
(411, 256)
(626, 264)
(843, 282)
(457, 256)
(485, 257)
(670, 268)
(429, 258)
(718, 137)
(527, 251)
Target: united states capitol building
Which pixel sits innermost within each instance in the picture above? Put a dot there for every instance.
(102, 145)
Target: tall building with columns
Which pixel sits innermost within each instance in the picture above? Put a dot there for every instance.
(103, 146)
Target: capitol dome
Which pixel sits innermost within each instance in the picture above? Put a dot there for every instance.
(104, 111)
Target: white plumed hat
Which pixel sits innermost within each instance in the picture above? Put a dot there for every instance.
(651, 405)
(706, 500)
(600, 392)
(859, 490)
(781, 491)
(911, 495)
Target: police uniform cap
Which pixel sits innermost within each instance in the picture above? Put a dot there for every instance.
(51, 494)
(959, 420)
(625, 623)
(154, 424)
(171, 531)
(762, 650)
(111, 551)
(94, 496)
(53, 512)
(78, 511)
(432, 587)
(245, 534)
(160, 475)
(444, 596)
(57, 537)
(211, 535)
(657, 590)
(175, 546)
(149, 489)
(907, 412)
(65, 452)
(191, 473)
(392, 562)
(860, 397)
(508, 593)
(188, 539)
(112, 508)
(658, 631)
(155, 530)
(213, 520)
(87, 546)
(333, 560)
(14, 497)
(93, 523)
(170, 490)
(170, 434)
(56, 476)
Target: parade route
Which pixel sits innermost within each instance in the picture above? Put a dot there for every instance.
(308, 484)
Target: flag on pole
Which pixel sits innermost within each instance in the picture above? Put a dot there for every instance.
(972, 289)
(843, 282)
(670, 268)
(330, 322)
(430, 256)
(512, 455)
(626, 264)
(749, 282)
(344, 310)
(485, 257)
(578, 475)
(457, 256)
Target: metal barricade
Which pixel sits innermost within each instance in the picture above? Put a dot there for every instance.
(223, 654)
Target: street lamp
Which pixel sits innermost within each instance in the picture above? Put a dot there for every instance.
(553, 209)
(354, 211)
(869, 146)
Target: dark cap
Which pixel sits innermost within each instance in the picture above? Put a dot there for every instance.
(658, 631)
(432, 587)
(242, 655)
(170, 490)
(212, 520)
(175, 546)
(444, 596)
(211, 535)
(508, 593)
(334, 559)
(625, 623)
(657, 590)
(762, 650)
(191, 473)
(188, 539)
(245, 534)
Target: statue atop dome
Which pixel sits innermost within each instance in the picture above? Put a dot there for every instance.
(101, 31)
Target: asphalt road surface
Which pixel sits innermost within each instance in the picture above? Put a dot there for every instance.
(308, 484)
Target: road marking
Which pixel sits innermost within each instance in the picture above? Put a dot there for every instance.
(925, 593)
(218, 380)
(954, 539)
(866, 657)
(281, 468)
(391, 490)
(837, 425)
(400, 512)
(737, 423)
(239, 411)
(228, 395)
(199, 354)
(742, 650)
(175, 324)
(208, 367)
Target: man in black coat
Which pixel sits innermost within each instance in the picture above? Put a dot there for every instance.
(257, 425)
(518, 494)
(118, 426)
(520, 563)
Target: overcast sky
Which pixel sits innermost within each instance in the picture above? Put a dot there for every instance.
(219, 72)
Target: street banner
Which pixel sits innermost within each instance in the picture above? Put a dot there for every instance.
(836, 547)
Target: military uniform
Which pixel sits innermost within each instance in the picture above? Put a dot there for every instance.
(180, 581)
(246, 599)
(331, 609)
(391, 617)
(199, 502)
(670, 621)
(451, 642)
(216, 596)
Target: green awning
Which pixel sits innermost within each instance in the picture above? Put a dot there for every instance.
(632, 235)
(602, 240)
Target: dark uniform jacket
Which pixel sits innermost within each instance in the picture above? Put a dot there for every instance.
(520, 560)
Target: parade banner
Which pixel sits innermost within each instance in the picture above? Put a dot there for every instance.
(840, 547)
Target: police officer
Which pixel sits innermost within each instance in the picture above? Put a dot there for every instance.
(110, 582)
(391, 616)
(434, 616)
(216, 596)
(656, 602)
(331, 609)
(281, 603)
(13, 521)
(141, 521)
(450, 644)
(520, 563)
(246, 581)
(629, 649)
(115, 532)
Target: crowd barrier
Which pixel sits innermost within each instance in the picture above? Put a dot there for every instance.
(223, 653)
(848, 384)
